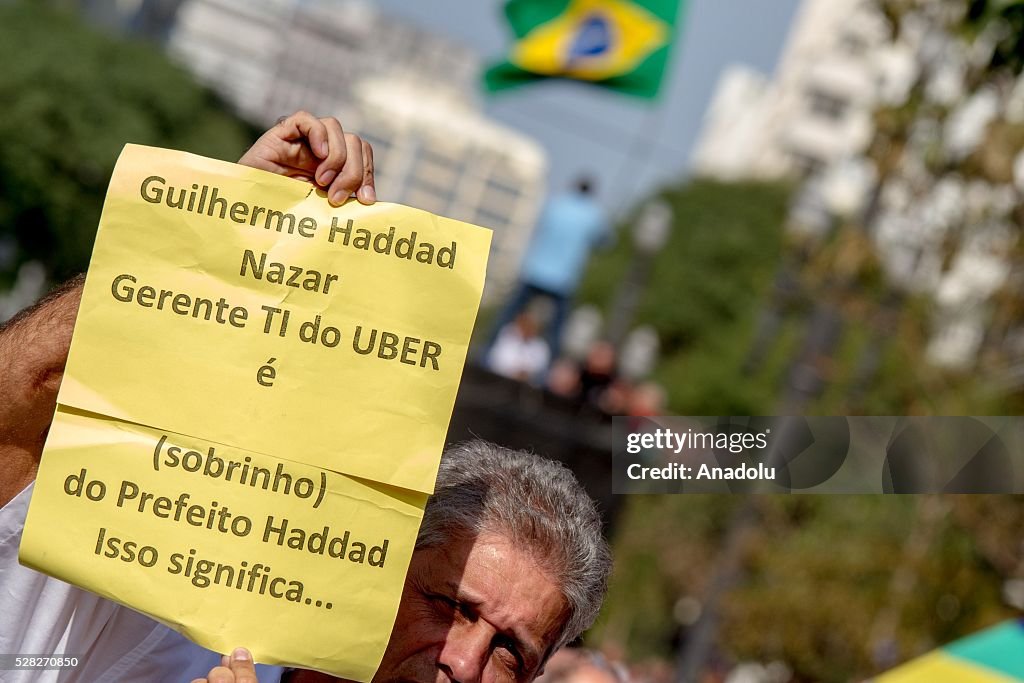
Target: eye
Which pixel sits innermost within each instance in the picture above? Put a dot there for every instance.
(450, 604)
(506, 650)
(451, 608)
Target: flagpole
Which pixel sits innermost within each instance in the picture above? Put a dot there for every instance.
(640, 152)
(646, 138)
(630, 290)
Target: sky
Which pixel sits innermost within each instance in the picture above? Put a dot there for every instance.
(631, 147)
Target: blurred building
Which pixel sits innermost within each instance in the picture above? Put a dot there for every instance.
(837, 64)
(409, 92)
(898, 117)
(150, 19)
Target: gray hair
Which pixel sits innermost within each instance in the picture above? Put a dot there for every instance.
(536, 503)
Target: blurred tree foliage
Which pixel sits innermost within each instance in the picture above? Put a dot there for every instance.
(703, 295)
(835, 586)
(854, 582)
(820, 587)
(72, 98)
(725, 243)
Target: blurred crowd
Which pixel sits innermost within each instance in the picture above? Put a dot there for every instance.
(520, 352)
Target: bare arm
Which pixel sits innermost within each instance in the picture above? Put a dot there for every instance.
(34, 344)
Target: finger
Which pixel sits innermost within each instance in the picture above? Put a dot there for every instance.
(295, 156)
(304, 126)
(333, 165)
(243, 666)
(220, 674)
(200, 680)
(351, 176)
(286, 161)
(282, 150)
(367, 194)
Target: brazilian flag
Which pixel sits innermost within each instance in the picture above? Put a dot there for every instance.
(620, 44)
(995, 655)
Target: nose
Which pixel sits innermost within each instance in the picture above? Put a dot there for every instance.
(465, 652)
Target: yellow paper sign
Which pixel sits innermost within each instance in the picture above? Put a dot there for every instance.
(254, 407)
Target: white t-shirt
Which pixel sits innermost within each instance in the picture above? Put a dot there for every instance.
(516, 357)
(40, 615)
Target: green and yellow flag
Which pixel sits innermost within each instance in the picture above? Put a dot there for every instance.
(995, 655)
(620, 44)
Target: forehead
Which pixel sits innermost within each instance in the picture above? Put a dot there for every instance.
(505, 585)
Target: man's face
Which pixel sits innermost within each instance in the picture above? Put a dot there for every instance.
(476, 610)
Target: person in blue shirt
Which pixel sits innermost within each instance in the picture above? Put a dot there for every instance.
(570, 226)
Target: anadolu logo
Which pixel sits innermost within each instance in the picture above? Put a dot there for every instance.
(592, 40)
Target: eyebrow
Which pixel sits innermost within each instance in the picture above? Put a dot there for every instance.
(531, 650)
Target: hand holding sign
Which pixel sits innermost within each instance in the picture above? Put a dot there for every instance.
(234, 668)
(305, 147)
(239, 432)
